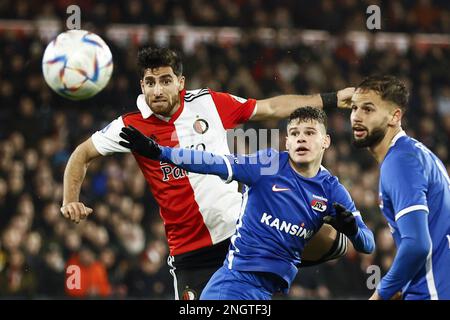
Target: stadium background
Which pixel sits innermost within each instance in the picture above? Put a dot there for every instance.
(249, 48)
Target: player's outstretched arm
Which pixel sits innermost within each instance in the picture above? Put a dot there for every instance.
(191, 160)
(74, 175)
(281, 107)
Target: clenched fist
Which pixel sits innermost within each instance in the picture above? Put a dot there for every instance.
(344, 97)
(75, 211)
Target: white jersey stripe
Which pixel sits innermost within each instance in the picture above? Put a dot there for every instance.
(357, 214)
(172, 269)
(430, 276)
(237, 234)
(230, 171)
(407, 210)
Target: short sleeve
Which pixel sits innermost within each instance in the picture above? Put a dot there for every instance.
(233, 110)
(106, 141)
(404, 180)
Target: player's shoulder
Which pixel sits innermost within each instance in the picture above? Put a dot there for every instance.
(192, 95)
(404, 145)
(132, 115)
(328, 178)
(405, 148)
(326, 174)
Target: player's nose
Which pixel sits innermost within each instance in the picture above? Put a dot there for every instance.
(355, 117)
(157, 91)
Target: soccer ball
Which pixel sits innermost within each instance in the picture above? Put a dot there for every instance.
(77, 64)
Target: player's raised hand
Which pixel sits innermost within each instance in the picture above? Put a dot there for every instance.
(344, 97)
(344, 221)
(75, 211)
(139, 143)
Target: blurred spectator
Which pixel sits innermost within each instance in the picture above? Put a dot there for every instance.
(17, 281)
(335, 16)
(146, 278)
(52, 272)
(93, 281)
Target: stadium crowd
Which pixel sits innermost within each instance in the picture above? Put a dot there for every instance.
(335, 15)
(122, 246)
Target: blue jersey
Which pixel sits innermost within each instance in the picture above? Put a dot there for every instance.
(413, 179)
(281, 212)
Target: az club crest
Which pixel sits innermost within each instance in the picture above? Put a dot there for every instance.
(319, 205)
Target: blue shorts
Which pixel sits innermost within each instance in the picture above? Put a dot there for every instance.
(228, 284)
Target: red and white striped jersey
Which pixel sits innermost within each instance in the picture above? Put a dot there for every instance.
(198, 210)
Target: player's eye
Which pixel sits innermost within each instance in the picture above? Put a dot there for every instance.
(295, 133)
(150, 83)
(354, 107)
(167, 81)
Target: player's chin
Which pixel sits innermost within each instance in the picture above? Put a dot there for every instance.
(304, 158)
(160, 107)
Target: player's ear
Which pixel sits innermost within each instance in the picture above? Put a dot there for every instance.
(326, 141)
(181, 80)
(142, 85)
(396, 117)
(287, 143)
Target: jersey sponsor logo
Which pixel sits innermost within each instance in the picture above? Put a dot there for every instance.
(169, 171)
(201, 126)
(318, 205)
(278, 189)
(287, 227)
(320, 198)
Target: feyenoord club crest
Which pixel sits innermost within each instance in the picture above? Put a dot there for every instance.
(201, 126)
(189, 294)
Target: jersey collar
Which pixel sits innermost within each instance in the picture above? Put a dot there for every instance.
(146, 112)
(396, 137)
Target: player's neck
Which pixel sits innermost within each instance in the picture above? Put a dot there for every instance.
(308, 170)
(175, 109)
(380, 150)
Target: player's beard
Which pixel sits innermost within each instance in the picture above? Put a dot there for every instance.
(372, 139)
(172, 103)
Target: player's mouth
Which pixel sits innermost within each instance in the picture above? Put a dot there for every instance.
(359, 131)
(301, 151)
